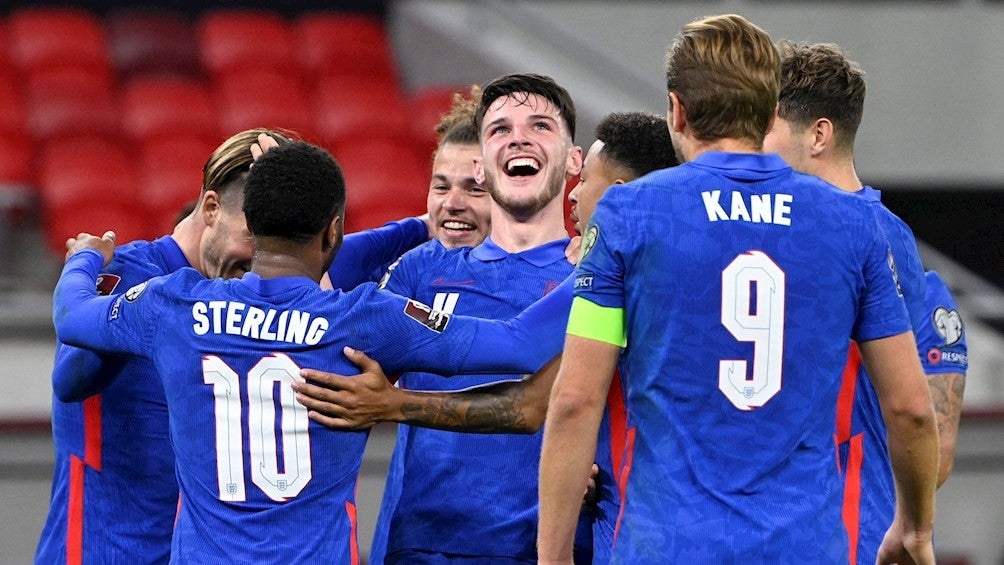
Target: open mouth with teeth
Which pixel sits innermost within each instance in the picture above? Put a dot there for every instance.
(454, 225)
(522, 167)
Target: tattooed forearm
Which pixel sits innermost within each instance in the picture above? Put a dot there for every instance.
(946, 395)
(493, 409)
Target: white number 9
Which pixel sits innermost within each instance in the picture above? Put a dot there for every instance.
(753, 310)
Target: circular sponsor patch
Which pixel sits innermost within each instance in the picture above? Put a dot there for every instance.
(589, 241)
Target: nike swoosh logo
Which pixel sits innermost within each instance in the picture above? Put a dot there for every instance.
(440, 281)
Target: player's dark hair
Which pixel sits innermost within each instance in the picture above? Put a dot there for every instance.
(818, 81)
(228, 165)
(457, 125)
(293, 192)
(518, 87)
(637, 141)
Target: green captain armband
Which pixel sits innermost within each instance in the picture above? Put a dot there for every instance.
(590, 320)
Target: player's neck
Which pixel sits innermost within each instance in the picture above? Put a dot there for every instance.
(187, 234)
(840, 173)
(695, 147)
(273, 259)
(519, 234)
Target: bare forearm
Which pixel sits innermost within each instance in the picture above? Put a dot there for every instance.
(496, 408)
(946, 396)
(913, 451)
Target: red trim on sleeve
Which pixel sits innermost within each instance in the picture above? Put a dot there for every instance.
(852, 495)
(92, 432)
(75, 513)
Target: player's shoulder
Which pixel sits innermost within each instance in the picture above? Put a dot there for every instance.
(937, 290)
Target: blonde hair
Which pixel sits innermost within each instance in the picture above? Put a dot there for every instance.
(726, 73)
(232, 159)
(457, 124)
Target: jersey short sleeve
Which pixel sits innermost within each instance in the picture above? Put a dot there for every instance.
(598, 307)
(941, 339)
(882, 312)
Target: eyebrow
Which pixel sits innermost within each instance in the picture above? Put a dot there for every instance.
(531, 117)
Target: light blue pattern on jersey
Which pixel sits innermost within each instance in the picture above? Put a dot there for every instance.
(712, 483)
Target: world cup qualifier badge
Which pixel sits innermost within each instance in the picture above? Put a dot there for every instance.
(589, 241)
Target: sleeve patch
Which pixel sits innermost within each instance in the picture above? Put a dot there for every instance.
(435, 320)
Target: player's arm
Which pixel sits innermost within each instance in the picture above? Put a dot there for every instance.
(364, 253)
(594, 341)
(360, 401)
(947, 390)
(913, 443)
(80, 316)
(78, 374)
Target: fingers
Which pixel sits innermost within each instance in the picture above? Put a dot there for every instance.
(109, 236)
(363, 361)
(339, 423)
(330, 380)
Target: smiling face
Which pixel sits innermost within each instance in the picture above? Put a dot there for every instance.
(598, 174)
(527, 153)
(459, 207)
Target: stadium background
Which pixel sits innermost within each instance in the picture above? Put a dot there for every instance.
(929, 141)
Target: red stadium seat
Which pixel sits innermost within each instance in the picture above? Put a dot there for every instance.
(46, 37)
(152, 41)
(350, 109)
(344, 44)
(164, 106)
(12, 112)
(16, 153)
(382, 178)
(170, 176)
(264, 99)
(70, 102)
(425, 108)
(80, 178)
(243, 40)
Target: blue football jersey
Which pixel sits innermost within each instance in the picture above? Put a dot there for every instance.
(466, 494)
(365, 255)
(742, 283)
(941, 338)
(869, 491)
(260, 482)
(114, 494)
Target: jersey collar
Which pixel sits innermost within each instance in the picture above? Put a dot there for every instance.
(169, 250)
(762, 162)
(539, 256)
(870, 193)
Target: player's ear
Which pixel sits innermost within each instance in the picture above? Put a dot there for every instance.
(209, 207)
(333, 235)
(676, 117)
(479, 170)
(574, 164)
(822, 136)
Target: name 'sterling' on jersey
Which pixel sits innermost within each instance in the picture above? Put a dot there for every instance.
(760, 208)
(235, 318)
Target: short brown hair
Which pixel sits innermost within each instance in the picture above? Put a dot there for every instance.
(818, 81)
(457, 125)
(726, 72)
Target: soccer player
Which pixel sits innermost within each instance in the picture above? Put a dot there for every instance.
(733, 285)
(259, 482)
(821, 103)
(628, 145)
(114, 495)
(469, 497)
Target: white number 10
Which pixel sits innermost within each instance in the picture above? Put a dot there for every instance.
(265, 473)
(753, 310)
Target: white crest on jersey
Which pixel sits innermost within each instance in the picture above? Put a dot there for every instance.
(948, 324)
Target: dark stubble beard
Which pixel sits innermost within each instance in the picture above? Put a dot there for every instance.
(555, 184)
